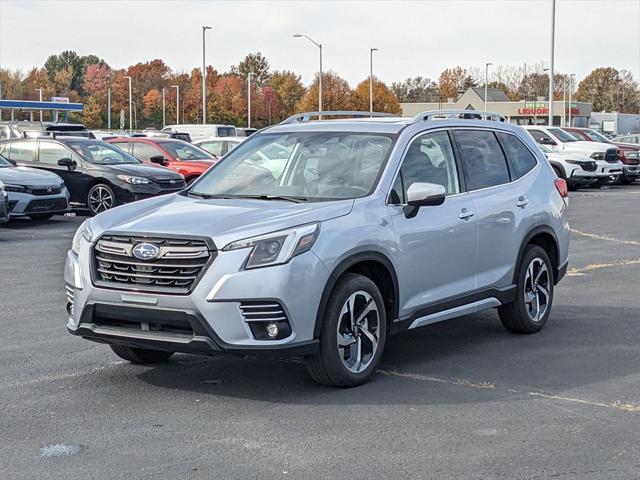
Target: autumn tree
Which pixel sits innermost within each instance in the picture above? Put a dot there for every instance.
(336, 94)
(92, 113)
(383, 99)
(454, 81)
(70, 61)
(289, 88)
(256, 64)
(415, 90)
(609, 90)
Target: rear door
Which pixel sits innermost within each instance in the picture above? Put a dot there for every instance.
(437, 247)
(22, 152)
(495, 198)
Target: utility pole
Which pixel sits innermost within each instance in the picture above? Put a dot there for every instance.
(164, 115)
(204, 77)
(553, 45)
(486, 83)
(40, 91)
(109, 108)
(177, 87)
(570, 95)
(371, 78)
(130, 105)
(249, 101)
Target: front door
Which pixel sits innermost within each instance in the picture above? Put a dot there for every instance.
(436, 248)
(75, 179)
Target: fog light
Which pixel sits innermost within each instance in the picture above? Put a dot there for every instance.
(272, 330)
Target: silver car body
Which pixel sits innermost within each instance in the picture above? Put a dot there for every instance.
(447, 261)
(34, 192)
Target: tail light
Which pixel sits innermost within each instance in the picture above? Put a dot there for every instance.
(561, 186)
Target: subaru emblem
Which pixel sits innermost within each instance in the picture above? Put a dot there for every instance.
(49, 189)
(172, 181)
(146, 251)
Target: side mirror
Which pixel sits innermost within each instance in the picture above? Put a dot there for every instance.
(159, 159)
(67, 162)
(423, 195)
(546, 141)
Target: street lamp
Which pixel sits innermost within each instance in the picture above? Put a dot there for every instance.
(177, 87)
(371, 50)
(553, 44)
(130, 105)
(164, 117)
(249, 100)
(571, 78)
(298, 35)
(40, 91)
(486, 82)
(204, 77)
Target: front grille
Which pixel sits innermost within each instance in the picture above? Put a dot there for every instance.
(173, 326)
(263, 311)
(176, 269)
(40, 190)
(612, 155)
(46, 205)
(170, 182)
(590, 166)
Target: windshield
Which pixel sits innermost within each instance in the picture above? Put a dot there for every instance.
(562, 135)
(4, 163)
(185, 151)
(101, 153)
(304, 165)
(596, 137)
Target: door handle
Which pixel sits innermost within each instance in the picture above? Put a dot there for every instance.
(522, 202)
(465, 214)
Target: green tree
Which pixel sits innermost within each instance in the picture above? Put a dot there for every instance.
(609, 90)
(256, 64)
(289, 88)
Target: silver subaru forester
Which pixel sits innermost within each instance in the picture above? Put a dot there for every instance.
(319, 238)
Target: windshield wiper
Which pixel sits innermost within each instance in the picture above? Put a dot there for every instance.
(288, 198)
(207, 196)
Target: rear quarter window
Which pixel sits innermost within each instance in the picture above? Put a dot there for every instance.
(520, 158)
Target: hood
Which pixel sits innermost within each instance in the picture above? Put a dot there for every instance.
(587, 147)
(28, 176)
(146, 171)
(223, 220)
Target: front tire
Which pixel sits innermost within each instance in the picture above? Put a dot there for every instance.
(534, 296)
(100, 198)
(353, 335)
(140, 355)
(599, 183)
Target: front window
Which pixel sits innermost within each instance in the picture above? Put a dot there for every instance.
(596, 137)
(302, 165)
(185, 151)
(562, 135)
(101, 153)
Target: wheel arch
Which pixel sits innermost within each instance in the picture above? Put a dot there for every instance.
(374, 265)
(544, 237)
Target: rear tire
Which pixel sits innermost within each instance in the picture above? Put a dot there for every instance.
(350, 350)
(534, 293)
(140, 355)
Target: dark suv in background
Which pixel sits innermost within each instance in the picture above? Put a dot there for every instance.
(99, 176)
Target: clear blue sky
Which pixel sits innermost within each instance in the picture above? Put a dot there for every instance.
(414, 37)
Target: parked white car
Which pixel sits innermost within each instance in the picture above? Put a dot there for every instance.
(559, 141)
(219, 146)
(579, 170)
(201, 131)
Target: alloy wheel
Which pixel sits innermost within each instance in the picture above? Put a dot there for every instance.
(100, 199)
(537, 285)
(358, 331)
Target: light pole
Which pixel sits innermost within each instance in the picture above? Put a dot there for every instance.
(135, 117)
(109, 108)
(177, 87)
(319, 45)
(164, 117)
(486, 83)
(371, 78)
(249, 100)
(571, 77)
(553, 45)
(204, 77)
(130, 105)
(39, 90)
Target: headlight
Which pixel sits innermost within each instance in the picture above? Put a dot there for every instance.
(14, 188)
(598, 155)
(83, 233)
(134, 180)
(277, 247)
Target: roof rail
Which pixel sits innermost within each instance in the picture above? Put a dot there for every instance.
(306, 116)
(468, 114)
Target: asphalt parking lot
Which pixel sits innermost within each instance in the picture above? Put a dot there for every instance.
(460, 399)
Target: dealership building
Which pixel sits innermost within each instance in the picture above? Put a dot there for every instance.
(523, 112)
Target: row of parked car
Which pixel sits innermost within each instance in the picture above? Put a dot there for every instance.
(50, 168)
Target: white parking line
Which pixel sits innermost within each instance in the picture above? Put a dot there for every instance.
(603, 237)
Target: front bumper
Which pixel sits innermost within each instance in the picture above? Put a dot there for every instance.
(207, 320)
(24, 204)
(631, 171)
(126, 193)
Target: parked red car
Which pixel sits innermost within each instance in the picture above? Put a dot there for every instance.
(629, 154)
(179, 156)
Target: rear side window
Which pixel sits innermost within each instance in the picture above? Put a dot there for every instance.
(520, 158)
(50, 153)
(22, 151)
(482, 159)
